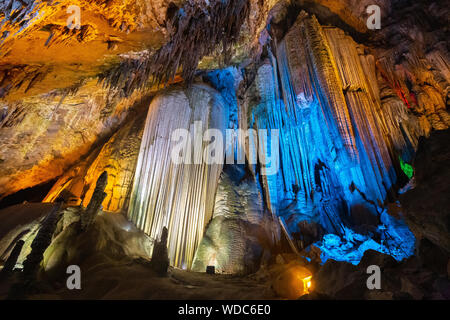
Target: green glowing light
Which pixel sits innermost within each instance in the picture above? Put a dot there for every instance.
(406, 168)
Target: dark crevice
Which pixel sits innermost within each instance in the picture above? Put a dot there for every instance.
(33, 194)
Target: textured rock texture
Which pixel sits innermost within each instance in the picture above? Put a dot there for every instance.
(240, 230)
(331, 133)
(408, 71)
(111, 238)
(44, 135)
(350, 116)
(405, 281)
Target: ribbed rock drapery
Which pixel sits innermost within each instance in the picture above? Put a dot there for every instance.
(376, 168)
(332, 132)
(177, 196)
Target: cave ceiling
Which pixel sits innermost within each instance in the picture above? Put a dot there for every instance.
(36, 45)
(64, 91)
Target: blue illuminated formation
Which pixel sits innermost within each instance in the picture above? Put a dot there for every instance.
(396, 240)
(334, 163)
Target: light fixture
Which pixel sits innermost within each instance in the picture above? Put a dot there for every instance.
(307, 284)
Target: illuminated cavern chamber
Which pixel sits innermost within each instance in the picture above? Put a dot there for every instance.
(340, 145)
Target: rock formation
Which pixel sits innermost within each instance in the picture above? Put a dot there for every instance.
(89, 215)
(12, 259)
(425, 209)
(178, 195)
(160, 259)
(240, 229)
(282, 139)
(40, 243)
(117, 157)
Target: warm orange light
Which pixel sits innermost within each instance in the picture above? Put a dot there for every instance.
(307, 284)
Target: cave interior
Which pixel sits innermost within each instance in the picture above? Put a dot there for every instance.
(224, 149)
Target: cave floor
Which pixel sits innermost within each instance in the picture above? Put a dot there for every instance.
(138, 281)
(105, 275)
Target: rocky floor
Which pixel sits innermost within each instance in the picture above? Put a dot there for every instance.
(114, 260)
(334, 280)
(138, 281)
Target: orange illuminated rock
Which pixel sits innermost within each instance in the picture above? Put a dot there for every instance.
(293, 282)
(117, 157)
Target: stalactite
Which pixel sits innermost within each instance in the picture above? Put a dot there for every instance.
(59, 33)
(440, 61)
(94, 206)
(177, 196)
(19, 18)
(375, 161)
(403, 127)
(303, 144)
(419, 80)
(312, 133)
(198, 28)
(333, 128)
(338, 131)
(326, 74)
(21, 76)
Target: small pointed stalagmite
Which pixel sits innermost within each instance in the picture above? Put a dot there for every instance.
(88, 217)
(160, 257)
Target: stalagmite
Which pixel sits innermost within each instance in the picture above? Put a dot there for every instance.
(177, 196)
(231, 242)
(160, 260)
(89, 215)
(40, 243)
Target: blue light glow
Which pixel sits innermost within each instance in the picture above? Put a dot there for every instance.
(322, 175)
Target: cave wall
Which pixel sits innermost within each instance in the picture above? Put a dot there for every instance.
(350, 110)
(410, 50)
(45, 135)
